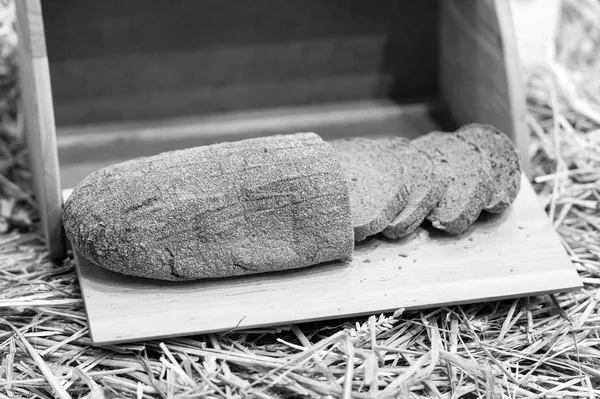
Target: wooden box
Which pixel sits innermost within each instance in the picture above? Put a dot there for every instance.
(104, 81)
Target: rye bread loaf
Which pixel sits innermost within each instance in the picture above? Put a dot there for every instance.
(504, 160)
(424, 187)
(375, 176)
(227, 209)
(462, 169)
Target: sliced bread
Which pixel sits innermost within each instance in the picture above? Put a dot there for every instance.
(461, 167)
(504, 160)
(375, 175)
(423, 184)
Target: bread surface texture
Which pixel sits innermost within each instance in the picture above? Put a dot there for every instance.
(375, 176)
(424, 187)
(229, 209)
(504, 160)
(464, 172)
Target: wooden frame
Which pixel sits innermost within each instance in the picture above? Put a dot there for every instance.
(478, 82)
(36, 92)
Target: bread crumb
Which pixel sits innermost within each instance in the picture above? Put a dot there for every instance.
(403, 254)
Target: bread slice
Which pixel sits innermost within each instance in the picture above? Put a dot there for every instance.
(423, 184)
(462, 169)
(228, 209)
(504, 160)
(375, 175)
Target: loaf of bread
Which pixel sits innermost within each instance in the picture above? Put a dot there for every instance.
(228, 209)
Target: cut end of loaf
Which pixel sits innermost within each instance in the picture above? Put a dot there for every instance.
(375, 174)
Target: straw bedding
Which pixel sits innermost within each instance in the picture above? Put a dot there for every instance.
(539, 347)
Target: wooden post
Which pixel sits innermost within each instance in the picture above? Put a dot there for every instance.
(36, 92)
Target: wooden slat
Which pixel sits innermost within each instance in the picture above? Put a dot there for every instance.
(36, 95)
(516, 253)
(480, 76)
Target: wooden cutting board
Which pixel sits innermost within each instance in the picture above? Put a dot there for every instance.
(515, 253)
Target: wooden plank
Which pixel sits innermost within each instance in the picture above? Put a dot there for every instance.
(206, 100)
(515, 253)
(36, 95)
(84, 149)
(113, 61)
(479, 70)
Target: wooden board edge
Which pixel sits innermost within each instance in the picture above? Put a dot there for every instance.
(76, 259)
(99, 341)
(36, 92)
